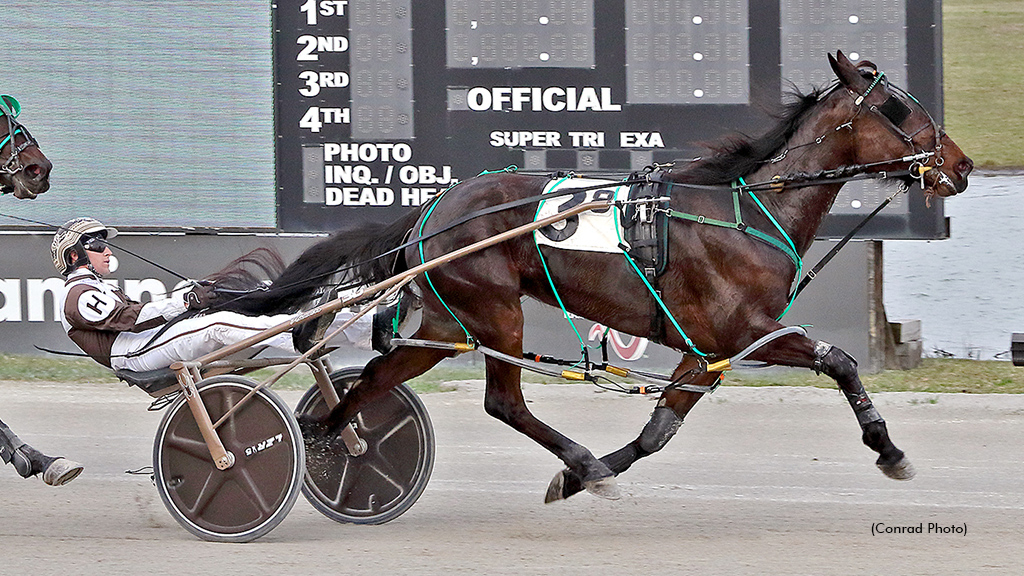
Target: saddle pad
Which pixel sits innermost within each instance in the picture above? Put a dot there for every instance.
(593, 231)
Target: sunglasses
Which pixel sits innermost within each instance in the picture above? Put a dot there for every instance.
(94, 244)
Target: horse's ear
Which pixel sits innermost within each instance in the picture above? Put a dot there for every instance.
(846, 71)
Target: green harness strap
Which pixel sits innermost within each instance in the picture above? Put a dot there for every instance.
(664, 308)
(657, 298)
(426, 274)
(787, 247)
(547, 273)
(469, 339)
(10, 107)
(9, 137)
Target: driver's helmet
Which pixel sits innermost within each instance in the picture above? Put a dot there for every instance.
(74, 238)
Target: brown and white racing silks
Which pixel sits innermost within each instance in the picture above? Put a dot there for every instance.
(95, 313)
(121, 333)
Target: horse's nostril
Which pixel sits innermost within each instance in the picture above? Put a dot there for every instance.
(964, 167)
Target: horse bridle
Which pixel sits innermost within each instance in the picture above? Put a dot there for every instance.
(13, 164)
(896, 112)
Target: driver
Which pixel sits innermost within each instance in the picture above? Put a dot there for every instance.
(121, 333)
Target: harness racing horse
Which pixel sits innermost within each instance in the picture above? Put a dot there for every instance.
(726, 287)
(24, 170)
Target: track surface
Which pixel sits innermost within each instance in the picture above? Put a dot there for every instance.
(758, 481)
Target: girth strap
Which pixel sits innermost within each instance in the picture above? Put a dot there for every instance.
(645, 231)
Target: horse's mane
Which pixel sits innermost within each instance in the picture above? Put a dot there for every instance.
(738, 155)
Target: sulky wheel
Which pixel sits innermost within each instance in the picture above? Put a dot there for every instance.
(249, 499)
(386, 480)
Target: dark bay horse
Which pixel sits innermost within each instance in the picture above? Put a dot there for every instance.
(24, 170)
(725, 288)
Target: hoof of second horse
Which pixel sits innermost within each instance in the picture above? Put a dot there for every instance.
(902, 469)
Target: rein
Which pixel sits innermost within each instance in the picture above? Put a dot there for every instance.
(107, 242)
(813, 273)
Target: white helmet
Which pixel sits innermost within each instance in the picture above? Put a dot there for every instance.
(68, 242)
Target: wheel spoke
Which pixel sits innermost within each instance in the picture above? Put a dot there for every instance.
(351, 475)
(212, 485)
(338, 496)
(192, 447)
(250, 489)
(389, 474)
(401, 422)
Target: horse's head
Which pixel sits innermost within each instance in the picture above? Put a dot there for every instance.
(892, 124)
(24, 170)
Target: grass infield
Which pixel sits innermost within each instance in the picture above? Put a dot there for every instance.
(981, 41)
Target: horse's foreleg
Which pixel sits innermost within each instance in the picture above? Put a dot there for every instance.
(832, 361)
(667, 418)
(841, 367)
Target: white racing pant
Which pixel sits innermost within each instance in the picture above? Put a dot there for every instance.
(197, 336)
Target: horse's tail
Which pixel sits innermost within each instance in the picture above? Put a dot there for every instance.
(249, 271)
(353, 253)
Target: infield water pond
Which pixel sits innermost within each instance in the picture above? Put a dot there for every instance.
(967, 291)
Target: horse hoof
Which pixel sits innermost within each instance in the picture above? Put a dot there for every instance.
(607, 488)
(556, 487)
(902, 469)
(61, 471)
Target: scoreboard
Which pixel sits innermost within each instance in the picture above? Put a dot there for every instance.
(381, 104)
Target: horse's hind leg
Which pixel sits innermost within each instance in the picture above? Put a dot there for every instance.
(503, 331)
(832, 361)
(383, 373)
(380, 375)
(504, 401)
(665, 421)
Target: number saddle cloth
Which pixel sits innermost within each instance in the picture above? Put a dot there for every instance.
(636, 229)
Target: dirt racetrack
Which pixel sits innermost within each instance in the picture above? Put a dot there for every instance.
(758, 481)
